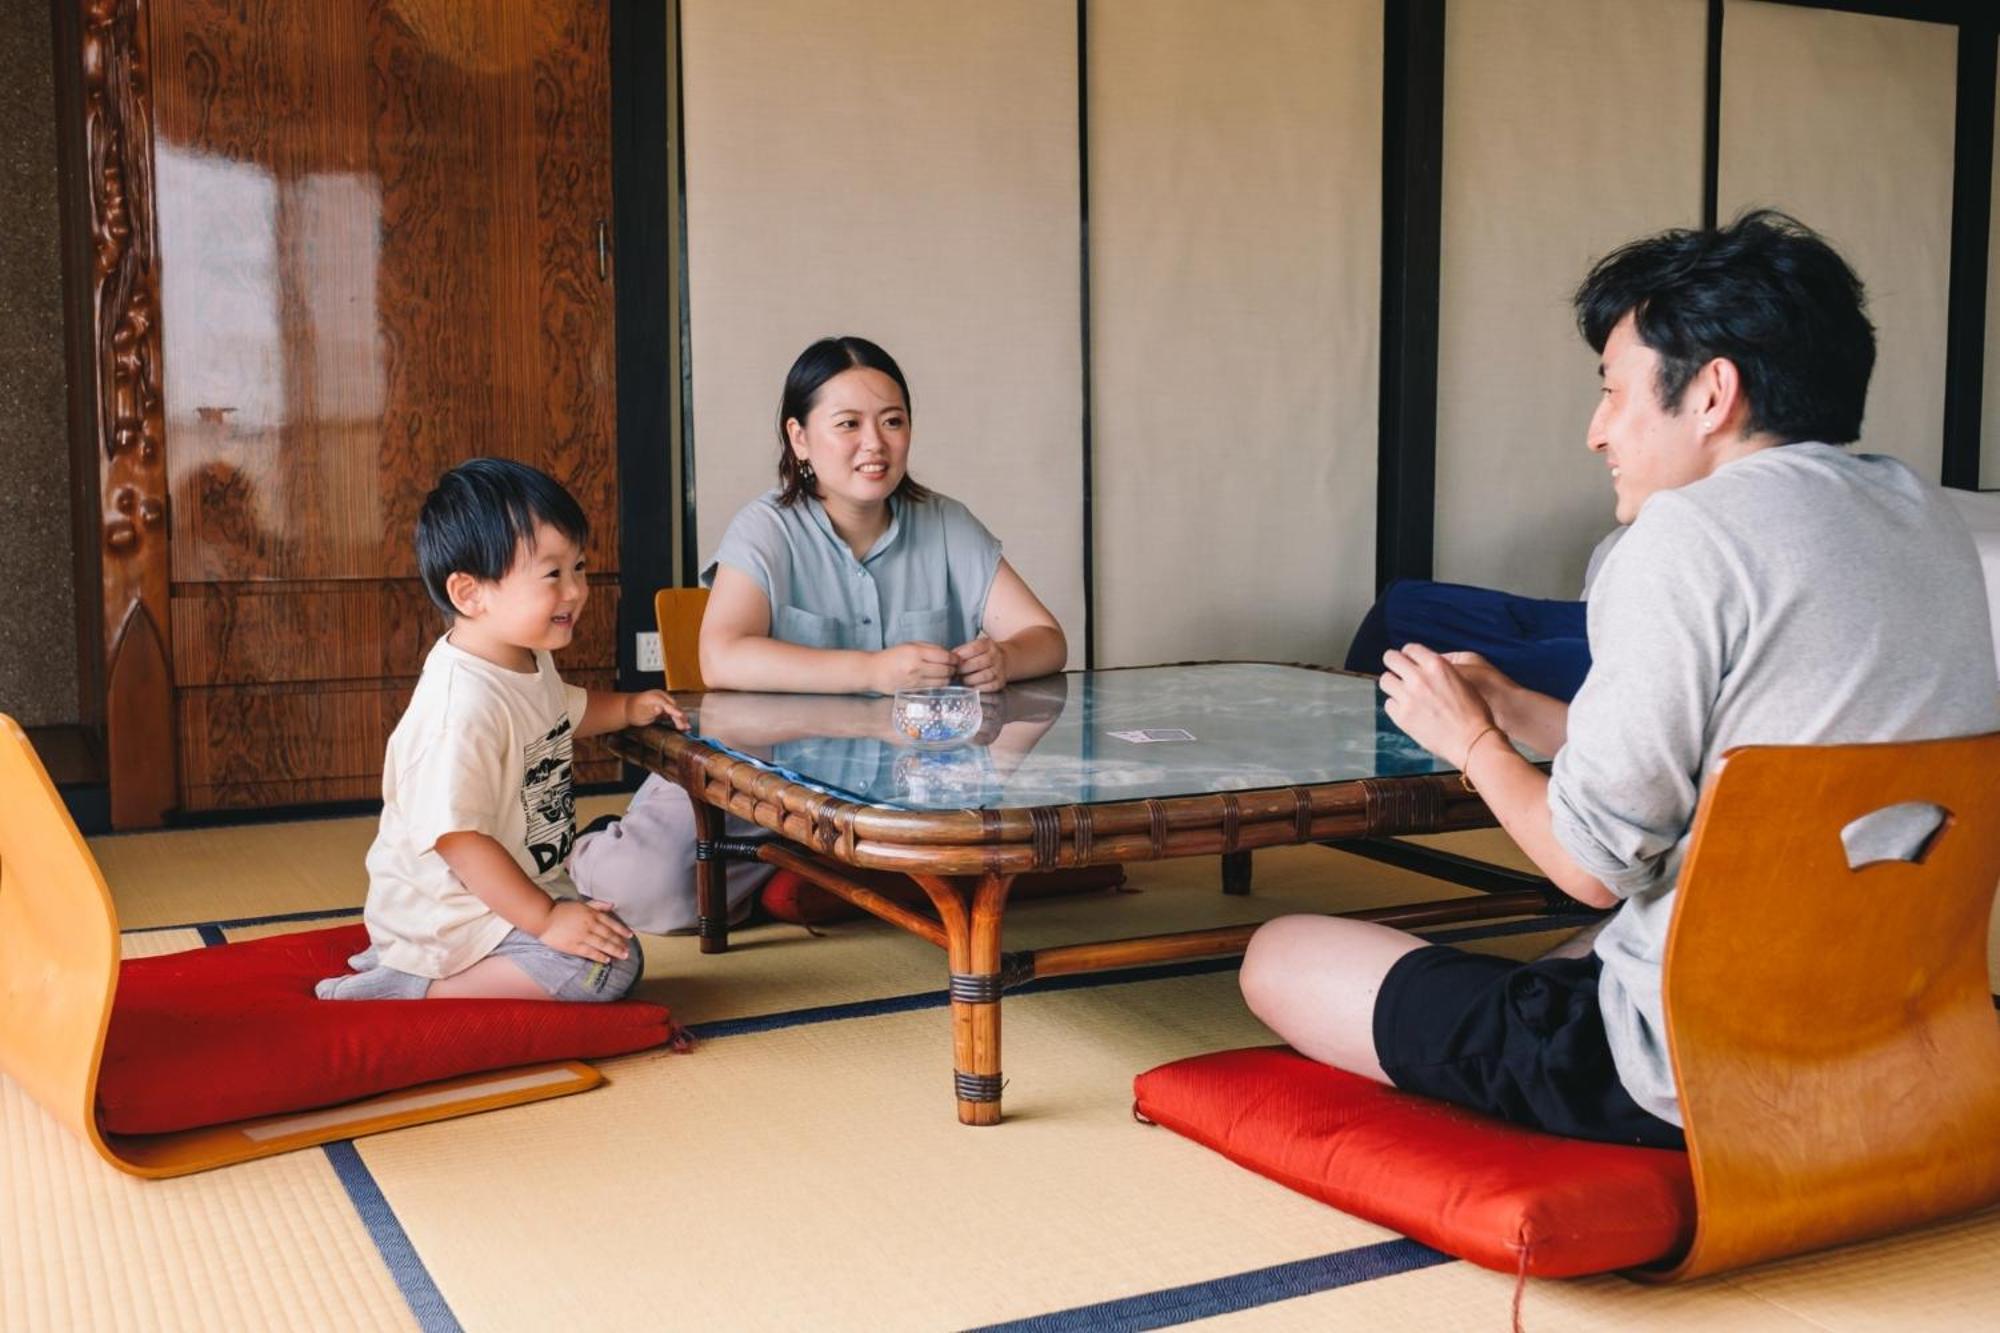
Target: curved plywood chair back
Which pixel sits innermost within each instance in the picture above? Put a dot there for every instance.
(679, 612)
(1832, 1028)
(58, 943)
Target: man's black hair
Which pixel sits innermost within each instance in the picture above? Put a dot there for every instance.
(479, 516)
(1766, 293)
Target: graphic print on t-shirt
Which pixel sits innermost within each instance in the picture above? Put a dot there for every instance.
(546, 798)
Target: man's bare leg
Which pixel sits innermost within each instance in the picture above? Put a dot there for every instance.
(1313, 981)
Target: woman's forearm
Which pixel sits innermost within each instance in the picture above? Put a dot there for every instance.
(1035, 651)
(757, 662)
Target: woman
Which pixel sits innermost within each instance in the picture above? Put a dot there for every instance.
(848, 578)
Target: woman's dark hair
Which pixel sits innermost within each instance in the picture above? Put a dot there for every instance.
(1765, 292)
(816, 365)
(479, 516)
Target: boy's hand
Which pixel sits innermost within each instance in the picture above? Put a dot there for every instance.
(586, 929)
(650, 706)
(982, 664)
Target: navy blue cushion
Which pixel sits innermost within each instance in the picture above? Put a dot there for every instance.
(1538, 643)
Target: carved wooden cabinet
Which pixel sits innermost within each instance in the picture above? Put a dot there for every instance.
(335, 248)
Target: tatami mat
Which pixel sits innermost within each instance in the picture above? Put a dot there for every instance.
(1943, 1278)
(237, 872)
(270, 1245)
(836, 1188)
(803, 1168)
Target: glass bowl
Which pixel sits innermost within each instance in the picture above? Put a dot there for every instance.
(936, 717)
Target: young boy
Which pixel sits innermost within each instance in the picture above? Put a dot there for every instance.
(466, 890)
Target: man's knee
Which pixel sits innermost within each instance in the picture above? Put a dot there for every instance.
(1270, 963)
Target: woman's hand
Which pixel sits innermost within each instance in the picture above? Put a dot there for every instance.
(912, 666)
(650, 706)
(1434, 704)
(586, 929)
(982, 664)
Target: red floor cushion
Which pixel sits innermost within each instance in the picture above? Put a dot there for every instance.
(793, 898)
(225, 1033)
(1499, 1195)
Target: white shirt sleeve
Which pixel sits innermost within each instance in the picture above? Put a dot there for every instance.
(1665, 621)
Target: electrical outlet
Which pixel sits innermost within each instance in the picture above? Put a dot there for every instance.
(649, 651)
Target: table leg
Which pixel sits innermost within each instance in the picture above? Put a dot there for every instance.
(972, 942)
(1236, 872)
(711, 885)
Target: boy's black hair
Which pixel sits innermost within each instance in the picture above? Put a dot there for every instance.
(1767, 293)
(479, 516)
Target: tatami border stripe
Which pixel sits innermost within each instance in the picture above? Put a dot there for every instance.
(1239, 1291)
(412, 1278)
(426, 1302)
(241, 922)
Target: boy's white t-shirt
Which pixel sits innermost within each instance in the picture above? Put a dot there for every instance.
(480, 749)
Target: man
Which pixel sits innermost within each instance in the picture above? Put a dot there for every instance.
(1773, 588)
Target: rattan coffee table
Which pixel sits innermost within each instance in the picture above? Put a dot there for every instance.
(1086, 768)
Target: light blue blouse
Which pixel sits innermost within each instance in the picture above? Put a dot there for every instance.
(925, 579)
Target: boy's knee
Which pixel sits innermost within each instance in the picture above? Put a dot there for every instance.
(601, 983)
(625, 972)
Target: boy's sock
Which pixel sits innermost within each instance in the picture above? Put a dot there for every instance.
(371, 981)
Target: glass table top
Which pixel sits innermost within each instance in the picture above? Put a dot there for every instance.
(1081, 737)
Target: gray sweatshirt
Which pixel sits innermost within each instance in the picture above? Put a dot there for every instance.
(1801, 595)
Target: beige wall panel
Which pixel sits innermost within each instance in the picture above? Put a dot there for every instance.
(905, 170)
(1845, 121)
(1235, 196)
(1989, 434)
(1570, 127)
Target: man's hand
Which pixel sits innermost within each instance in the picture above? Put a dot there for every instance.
(1495, 688)
(1433, 703)
(982, 664)
(912, 666)
(586, 929)
(650, 706)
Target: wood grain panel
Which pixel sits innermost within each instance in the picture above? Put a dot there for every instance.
(338, 630)
(380, 231)
(248, 745)
(381, 222)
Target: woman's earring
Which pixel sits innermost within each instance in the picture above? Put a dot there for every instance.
(806, 475)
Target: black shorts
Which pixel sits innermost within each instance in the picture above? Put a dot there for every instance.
(1522, 1041)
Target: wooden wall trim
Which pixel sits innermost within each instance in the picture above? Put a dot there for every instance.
(1412, 229)
(130, 435)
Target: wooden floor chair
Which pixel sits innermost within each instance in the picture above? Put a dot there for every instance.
(679, 612)
(59, 970)
(1832, 1031)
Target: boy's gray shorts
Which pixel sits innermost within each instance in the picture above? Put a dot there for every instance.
(563, 975)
